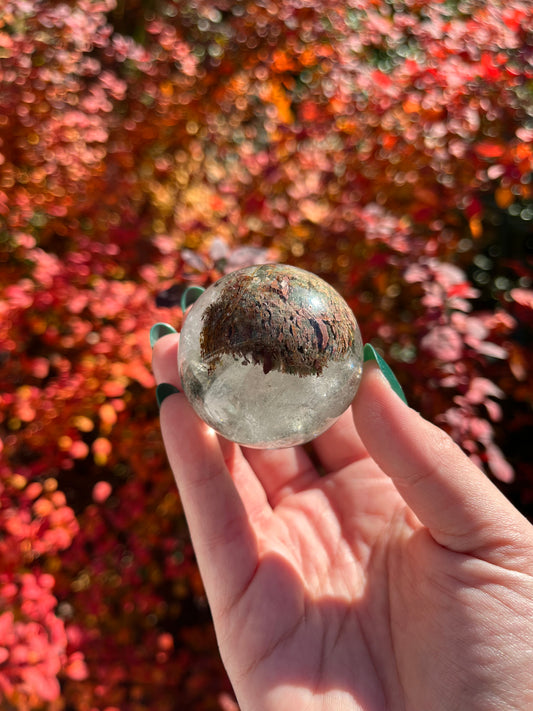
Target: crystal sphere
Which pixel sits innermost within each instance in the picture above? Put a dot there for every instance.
(270, 356)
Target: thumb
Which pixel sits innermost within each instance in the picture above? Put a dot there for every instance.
(462, 509)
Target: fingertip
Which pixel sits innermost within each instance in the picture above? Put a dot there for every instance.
(190, 295)
(165, 360)
(371, 355)
(375, 395)
(159, 330)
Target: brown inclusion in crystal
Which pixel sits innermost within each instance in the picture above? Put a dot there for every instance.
(268, 317)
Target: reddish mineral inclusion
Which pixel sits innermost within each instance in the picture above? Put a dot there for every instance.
(270, 356)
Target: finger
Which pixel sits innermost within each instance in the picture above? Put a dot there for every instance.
(460, 506)
(219, 520)
(164, 365)
(282, 472)
(340, 445)
(165, 360)
(219, 525)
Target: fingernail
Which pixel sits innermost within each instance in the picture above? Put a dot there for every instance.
(190, 295)
(163, 390)
(370, 353)
(159, 330)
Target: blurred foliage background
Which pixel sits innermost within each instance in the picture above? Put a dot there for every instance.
(147, 145)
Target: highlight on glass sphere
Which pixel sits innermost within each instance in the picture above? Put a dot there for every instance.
(270, 356)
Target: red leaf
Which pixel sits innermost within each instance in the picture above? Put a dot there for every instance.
(489, 150)
(382, 79)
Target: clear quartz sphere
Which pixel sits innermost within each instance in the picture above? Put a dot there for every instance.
(270, 356)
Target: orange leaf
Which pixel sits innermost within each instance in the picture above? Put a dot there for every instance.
(107, 414)
(76, 668)
(282, 62)
(101, 450)
(277, 96)
(411, 106)
(476, 227)
(504, 197)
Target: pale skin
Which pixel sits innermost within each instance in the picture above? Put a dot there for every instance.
(401, 580)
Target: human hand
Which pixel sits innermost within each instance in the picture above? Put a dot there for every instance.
(400, 579)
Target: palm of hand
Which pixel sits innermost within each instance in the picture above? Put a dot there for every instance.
(354, 606)
(328, 593)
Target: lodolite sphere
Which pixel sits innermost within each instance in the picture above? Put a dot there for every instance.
(270, 356)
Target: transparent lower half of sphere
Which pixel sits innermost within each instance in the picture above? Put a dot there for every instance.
(273, 410)
(263, 410)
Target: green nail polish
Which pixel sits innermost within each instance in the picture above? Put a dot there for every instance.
(190, 295)
(159, 330)
(163, 390)
(370, 353)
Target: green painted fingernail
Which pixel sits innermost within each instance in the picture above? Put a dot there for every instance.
(163, 390)
(370, 353)
(159, 330)
(190, 295)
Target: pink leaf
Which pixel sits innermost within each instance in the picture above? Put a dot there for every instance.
(499, 466)
(480, 388)
(41, 682)
(101, 491)
(494, 410)
(444, 343)
(524, 297)
(492, 350)
(415, 273)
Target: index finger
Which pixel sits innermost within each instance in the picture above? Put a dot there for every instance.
(462, 509)
(219, 522)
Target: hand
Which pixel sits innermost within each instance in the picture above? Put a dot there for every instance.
(401, 579)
